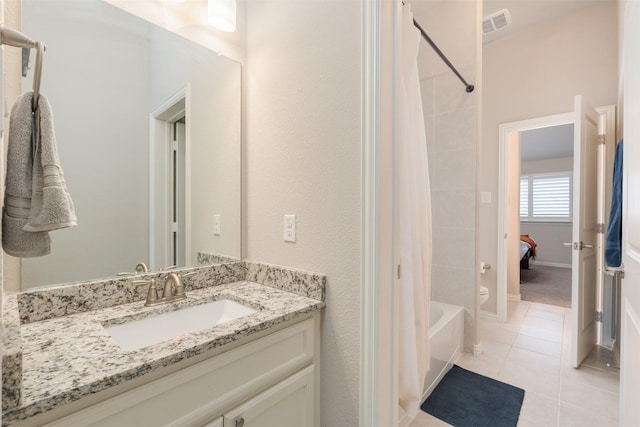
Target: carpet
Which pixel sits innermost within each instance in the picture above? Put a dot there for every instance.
(546, 285)
(466, 399)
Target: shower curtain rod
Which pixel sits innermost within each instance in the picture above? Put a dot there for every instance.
(468, 87)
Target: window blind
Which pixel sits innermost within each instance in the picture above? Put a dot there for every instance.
(545, 197)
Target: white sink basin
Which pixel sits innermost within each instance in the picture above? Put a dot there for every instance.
(152, 330)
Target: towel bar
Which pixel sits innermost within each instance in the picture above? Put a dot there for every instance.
(15, 38)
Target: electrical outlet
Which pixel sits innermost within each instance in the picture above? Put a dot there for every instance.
(289, 228)
(216, 225)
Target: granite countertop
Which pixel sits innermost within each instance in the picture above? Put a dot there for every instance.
(65, 358)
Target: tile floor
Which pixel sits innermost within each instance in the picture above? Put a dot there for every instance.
(531, 351)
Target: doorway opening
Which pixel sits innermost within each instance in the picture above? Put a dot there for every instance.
(510, 255)
(593, 136)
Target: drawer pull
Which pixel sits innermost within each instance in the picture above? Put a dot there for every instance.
(240, 422)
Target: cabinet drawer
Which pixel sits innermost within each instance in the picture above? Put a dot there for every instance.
(203, 391)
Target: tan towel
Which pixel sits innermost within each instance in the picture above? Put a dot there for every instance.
(36, 197)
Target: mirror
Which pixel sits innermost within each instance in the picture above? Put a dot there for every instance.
(121, 91)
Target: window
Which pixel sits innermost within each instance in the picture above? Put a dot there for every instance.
(546, 197)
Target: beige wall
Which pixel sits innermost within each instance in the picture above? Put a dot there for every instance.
(303, 157)
(536, 73)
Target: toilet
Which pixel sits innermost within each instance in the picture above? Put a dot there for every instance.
(484, 294)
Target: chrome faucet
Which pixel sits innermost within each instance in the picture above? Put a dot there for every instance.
(173, 289)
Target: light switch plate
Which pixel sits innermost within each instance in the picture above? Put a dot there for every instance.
(289, 228)
(216, 225)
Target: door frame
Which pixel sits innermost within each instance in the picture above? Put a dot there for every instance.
(378, 400)
(503, 187)
(607, 125)
(160, 122)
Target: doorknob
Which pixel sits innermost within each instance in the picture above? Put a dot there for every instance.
(577, 247)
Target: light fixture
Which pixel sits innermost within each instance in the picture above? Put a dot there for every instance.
(222, 15)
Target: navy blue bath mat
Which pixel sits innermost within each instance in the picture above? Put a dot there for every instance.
(466, 399)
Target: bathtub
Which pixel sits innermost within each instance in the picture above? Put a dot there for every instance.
(446, 335)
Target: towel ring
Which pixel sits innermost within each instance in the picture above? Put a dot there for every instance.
(37, 75)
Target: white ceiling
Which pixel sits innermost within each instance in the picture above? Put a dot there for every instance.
(547, 143)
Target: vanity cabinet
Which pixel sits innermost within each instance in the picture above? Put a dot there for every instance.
(271, 381)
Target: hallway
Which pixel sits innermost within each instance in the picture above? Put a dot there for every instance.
(531, 351)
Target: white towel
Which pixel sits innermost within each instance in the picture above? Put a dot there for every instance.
(36, 197)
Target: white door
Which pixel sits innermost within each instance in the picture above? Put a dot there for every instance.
(585, 208)
(178, 196)
(630, 334)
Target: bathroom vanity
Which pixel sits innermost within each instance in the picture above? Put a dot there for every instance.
(261, 368)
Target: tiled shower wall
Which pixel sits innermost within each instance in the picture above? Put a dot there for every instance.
(451, 124)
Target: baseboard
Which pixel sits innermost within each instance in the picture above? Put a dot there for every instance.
(488, 315)
(552, 264)
(477, 349)
(404, 420)
(514, 297)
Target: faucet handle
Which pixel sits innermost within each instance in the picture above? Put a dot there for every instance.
(127, 273)
(141, 267)
(152, 293)
(180, 285)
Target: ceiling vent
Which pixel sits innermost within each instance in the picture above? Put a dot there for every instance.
(496, 21)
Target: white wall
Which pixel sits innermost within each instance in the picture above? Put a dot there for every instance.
(536, 73)
(451, 125)
(303, 157)
(550, 238)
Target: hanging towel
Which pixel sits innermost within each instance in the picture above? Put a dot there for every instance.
(613, 248)
(36, 197)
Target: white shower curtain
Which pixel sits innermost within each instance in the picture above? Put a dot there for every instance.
(413, 216)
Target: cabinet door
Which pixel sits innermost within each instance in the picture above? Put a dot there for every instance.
(287, 404)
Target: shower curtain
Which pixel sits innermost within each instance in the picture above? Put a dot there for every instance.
(413, 213)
